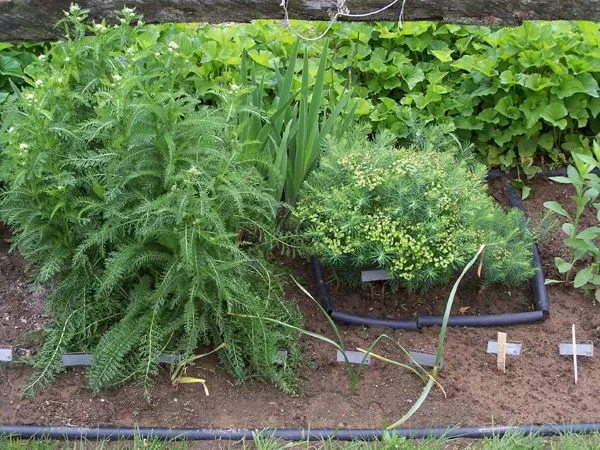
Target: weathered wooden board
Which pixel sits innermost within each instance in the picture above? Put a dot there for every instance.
(35, 19)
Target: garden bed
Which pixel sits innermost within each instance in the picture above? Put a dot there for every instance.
(537, 387)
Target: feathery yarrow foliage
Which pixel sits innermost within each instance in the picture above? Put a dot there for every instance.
(124, 193)
(417, 212)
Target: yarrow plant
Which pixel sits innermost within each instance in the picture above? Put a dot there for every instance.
(126, 196)
(419, 213)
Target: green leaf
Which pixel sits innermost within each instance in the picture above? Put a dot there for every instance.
(556, 207)
(262, 57)
(442, 55)
(562, 180)
(568, 228)
(484, 64)
(589, 233)
(535, 82)
(412, 75)
(570, 85)
(594, 106)
(562, 265)
(507, 78)
(10, 66)
(583, 277)
(377, 63)
(555, 113)
(506, 107)
(363, 108)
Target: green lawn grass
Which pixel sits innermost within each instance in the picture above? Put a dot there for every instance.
(392, 442)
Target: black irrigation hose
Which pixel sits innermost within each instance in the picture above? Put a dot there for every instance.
(206, 434)
(540, 295)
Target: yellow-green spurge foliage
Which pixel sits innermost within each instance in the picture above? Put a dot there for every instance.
(129, 197)
(418, 212)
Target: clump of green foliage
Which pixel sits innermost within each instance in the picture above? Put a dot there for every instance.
(125, 194)
(522, 95)
(582, 243)
(417, 212)
(288, 133)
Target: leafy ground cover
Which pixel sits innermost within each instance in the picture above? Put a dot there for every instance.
(524, 96)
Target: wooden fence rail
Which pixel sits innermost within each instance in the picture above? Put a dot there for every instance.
(35, 19)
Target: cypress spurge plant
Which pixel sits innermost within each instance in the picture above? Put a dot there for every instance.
(125, 195)
(417, 212)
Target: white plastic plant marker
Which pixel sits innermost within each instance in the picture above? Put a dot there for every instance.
(582, 348)
(511, 348)
(574, 342)
(281, 357)
(85, 359)
(6, 354)
(169, 358)
(501, 358)
(374, 275)
(425, 359)
(76, 359)
(353, 357)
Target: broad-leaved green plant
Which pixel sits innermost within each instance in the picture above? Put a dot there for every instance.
(582, 243)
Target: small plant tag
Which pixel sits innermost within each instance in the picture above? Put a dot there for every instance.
(425, 359)
(281, 357)
(169, 358)
(85, 359)
(583, 348)
(374, 275)
(354, 357)
(76, 359)
(6, 354)
(511, 348)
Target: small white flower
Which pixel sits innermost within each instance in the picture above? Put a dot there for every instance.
(74, 9)
(117, 77)
(23, 146)
(67, 59)
(170, 50)
(99, 27)
(39, 82)
(157, 54)
(130, 51)
(60, 80)
(42, 57)
(29, 96)
(234, 87)
(11, 130)
(173, 45)
(128, 11)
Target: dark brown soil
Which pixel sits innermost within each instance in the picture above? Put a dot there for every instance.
(537, 387)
